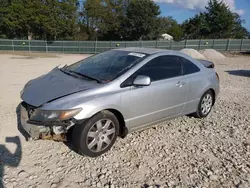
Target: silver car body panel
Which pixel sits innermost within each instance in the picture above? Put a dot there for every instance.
(53, 85)
(140, 106)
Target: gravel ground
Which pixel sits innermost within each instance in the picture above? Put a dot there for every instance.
(183, 152)
(212, 54)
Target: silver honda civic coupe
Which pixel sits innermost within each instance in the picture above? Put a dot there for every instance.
(114, 93)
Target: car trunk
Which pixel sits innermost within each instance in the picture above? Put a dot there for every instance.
(207, 64)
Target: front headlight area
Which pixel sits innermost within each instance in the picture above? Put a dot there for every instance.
(54, 115)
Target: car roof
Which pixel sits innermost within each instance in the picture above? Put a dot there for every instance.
(142, 50)
(151, 51)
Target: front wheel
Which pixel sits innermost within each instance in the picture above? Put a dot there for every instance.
(205, 105)
(97, 135)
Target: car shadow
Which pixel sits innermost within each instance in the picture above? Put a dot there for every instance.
(147, 186)
(245, 73)
(70, 146)
(68, 143)
(19, 126)
(245, 53)
(8, 158)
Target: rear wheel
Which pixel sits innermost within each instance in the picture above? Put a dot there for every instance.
(97, 135)
(205, 105)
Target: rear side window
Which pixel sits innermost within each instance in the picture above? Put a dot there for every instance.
(188, 66)
(162, 67)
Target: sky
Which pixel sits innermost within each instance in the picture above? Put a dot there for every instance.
(184, 9)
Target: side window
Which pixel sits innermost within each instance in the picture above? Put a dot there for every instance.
(162, 67)
(189, 67)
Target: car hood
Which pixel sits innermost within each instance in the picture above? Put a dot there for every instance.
(53, 85)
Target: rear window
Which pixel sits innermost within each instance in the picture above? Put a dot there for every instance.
(207, 64)
(189, 67)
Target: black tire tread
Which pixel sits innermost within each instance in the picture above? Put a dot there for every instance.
(198, 113)
(82, 129)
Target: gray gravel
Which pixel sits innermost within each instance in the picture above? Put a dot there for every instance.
(183, 152)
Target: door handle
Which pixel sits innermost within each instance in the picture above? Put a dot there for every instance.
(183, 83)
(180, 84)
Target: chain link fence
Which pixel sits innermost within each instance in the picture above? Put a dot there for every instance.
(93, 47)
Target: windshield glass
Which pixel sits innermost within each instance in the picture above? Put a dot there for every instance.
(107, 66)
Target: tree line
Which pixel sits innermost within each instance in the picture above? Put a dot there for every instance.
(112, 20)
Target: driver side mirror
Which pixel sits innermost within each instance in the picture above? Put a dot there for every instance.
(142, 81)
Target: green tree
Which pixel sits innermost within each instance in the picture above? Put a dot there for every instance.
(47, 19)
(103, 18)
(58, 19)
(19, 18)
(125, 20)
(218, 21)
(170, 26)
(114, 15)
(3, 11)
(196, 27)
(140, 20)
(238, 30)
(92, 16)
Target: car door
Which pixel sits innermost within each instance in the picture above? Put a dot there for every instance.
(164, 98)
(195, 85)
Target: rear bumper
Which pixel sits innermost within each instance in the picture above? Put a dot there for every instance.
(217, 86)
(40, 130)
(217, 92)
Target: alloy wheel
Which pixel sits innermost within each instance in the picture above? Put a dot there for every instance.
(206, 104)
(100, 135)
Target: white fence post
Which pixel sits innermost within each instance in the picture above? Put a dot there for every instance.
(62, 47)
(95, 46)
(228, 44)
(199, 47)
(46, 46)
(241, 44)
(13, 48)
(213, 44)
(29, 45)
(79, 47)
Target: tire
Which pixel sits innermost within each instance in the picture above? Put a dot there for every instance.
(205, 105)
(96, 135)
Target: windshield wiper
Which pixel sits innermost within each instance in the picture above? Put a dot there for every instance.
(64, 70)
(86, 76)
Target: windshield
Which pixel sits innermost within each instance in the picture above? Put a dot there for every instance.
(107, 66)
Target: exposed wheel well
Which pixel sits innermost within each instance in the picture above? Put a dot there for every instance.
(119, 116)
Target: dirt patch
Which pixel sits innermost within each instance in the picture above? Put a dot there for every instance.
(30, 54)
(212, 54)
(193, 53)
(235, 54)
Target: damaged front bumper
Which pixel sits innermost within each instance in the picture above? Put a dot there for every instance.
(44, 130)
